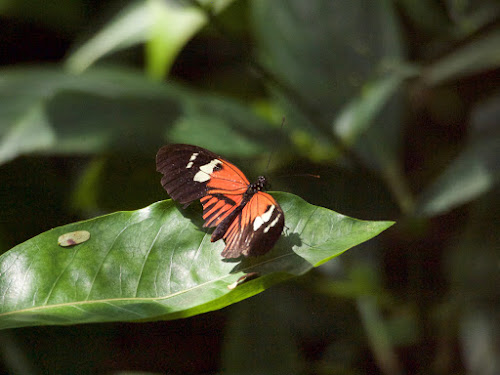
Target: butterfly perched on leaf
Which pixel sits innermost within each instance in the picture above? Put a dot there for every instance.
(249, 220)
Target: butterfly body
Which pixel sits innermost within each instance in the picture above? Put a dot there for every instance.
(249, 220)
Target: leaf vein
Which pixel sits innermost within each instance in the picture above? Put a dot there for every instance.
(146, 259)
(127, 224)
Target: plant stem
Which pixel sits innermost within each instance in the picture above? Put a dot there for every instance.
(378, 336)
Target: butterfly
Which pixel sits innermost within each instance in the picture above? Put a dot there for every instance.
(249, 220)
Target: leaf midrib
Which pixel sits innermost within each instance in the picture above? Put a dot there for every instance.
(108, 300)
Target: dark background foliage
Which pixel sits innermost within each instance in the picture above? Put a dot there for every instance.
(395, 104)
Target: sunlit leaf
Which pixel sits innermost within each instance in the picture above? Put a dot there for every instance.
(127, 28)
(158, 263)
(172, 25)
(165, 25)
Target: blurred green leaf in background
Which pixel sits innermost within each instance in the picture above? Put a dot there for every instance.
(393, 103)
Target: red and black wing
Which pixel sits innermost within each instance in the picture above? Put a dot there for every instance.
(191, 173)
(256, 228)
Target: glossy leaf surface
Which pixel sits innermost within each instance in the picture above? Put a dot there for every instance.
(158, 263)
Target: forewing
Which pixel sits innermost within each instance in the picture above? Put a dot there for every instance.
(192, 172)
(256, 229)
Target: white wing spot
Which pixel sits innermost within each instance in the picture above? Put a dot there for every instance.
(206, 170)
(191, 160)
(264, 218)
(272, 224)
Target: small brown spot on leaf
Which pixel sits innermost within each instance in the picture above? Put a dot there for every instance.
(73, 238)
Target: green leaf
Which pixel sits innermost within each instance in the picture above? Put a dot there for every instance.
(48, 110)
(475, 171)
(324, 52)
(30, 132)
(126, 29)
(95, 191)
(358, 115)
(372, 120)
(169, 22)
(51, 111)
(224, 126)
(165, 25)
(158, 263)
(478, 56)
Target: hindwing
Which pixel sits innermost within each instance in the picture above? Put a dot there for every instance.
(256, 228)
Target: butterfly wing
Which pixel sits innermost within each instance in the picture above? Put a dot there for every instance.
(256, 229)
(191, 173)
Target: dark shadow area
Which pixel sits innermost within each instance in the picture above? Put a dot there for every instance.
(281, 258)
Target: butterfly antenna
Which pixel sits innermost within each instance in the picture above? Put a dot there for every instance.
(274, 149)
(300, 175)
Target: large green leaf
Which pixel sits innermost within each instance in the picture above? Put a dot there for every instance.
(157, 263)
(51, 111)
